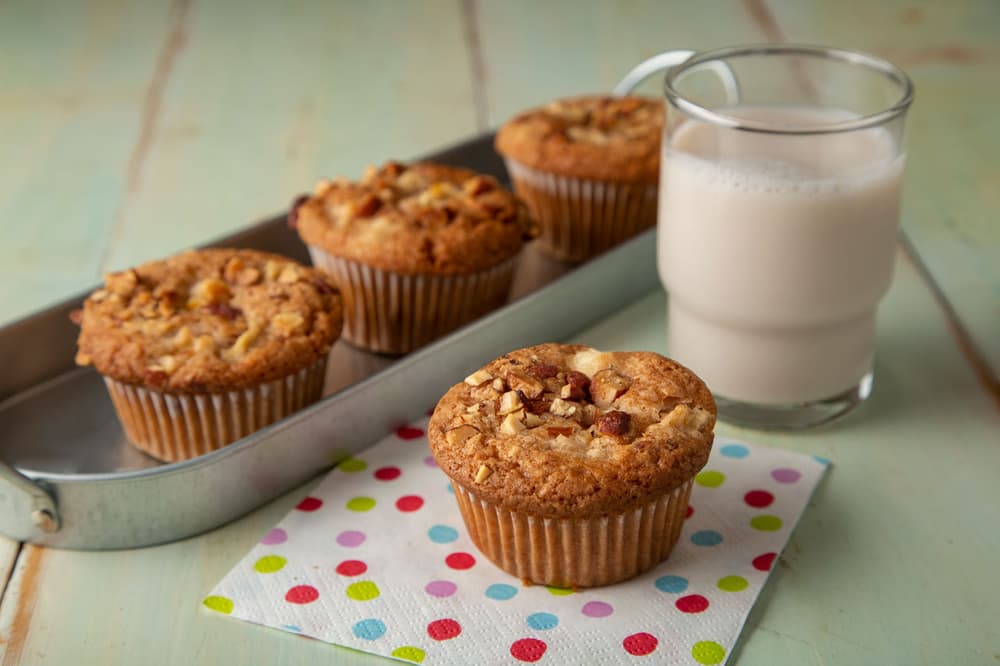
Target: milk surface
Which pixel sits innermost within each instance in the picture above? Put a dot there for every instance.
(775, 251)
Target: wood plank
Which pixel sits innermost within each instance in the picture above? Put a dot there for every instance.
(70, 84)
(265, 101)
(952, 190)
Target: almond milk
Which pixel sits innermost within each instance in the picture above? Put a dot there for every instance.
(775, 251)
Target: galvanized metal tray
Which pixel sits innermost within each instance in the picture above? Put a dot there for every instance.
(69, 479)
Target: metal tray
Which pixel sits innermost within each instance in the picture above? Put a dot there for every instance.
(70, 480)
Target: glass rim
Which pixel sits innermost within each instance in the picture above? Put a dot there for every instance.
(857, 58)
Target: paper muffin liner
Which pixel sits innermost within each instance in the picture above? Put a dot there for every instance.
(581, 218)
(394, 313)
(574, 552)
(172, 427)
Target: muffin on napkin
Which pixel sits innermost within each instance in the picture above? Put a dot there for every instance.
(205, 347)
(573, 467)
(587, 167)
(417, 250)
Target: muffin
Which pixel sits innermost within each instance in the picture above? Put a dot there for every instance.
(573, 467)
(587, 167)
(417, 250)
(205, 347)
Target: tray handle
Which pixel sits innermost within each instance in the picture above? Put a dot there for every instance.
(27, 502)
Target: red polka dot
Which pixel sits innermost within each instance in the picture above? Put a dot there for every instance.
(302, 594)
(309, 504)
(387, 473)
(352, 568)
(528, 649)
(409, 432)
(640, 644)
(758, 498)
(764, 562)
(409, 502)
(442, 630)
(692, 603)
(460, 561)
(689, 512)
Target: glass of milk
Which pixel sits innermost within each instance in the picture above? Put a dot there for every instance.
(779, 205)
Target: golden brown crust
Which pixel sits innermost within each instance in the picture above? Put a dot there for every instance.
(209, 321)
(418, 219)
(567, 431)
(594, 137)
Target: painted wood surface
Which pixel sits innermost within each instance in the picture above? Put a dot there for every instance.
(130, 130)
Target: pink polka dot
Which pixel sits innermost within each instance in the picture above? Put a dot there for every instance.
(275, 536)
(409, 432)
(302, 594)
(351, 538)
(444, 629)
(758, 498)
(460, 561)
(309, 504)
(689, 512)
(387, 473)
(692, 603)
(352, 568)
(785, 475)
(440, 588)
(409, 503)
(528, 649)
(430, 462)
(764, 562)
(597, 609)
(640, 644)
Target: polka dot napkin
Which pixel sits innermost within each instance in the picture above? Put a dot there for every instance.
(377, 559)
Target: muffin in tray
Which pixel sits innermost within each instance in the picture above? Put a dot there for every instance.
(571, 466)
(205, 347)
(416, 250)
(587, 167)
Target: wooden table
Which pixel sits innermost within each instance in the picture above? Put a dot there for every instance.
(131, 131)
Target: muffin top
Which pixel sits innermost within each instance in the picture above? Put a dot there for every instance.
(417, 219)
(569, 431)
(209, 321)
(596, 137)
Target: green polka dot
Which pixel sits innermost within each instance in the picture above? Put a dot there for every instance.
(219, 604)
(732, 583)
(363, 590)
(409, 653)
(708, 652)
(361, 504)
(352, 465)
(710, 479)
(766, 523)
(270, 564)
(559, 591)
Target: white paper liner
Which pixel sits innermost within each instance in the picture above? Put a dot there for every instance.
(175, 427)
(394, 313)
(580, 218)
(570, 552)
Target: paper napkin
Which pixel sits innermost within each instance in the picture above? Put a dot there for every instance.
(377, 559)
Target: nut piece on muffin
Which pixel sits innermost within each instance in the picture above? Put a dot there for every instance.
(587, 167)
(572, 466)
(205, 347)
(417, 250)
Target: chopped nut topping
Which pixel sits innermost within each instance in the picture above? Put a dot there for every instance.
(478, 185)
(529, 386)
(82, 359)
(224, 310)
(533, 420)
(290, 274)
(204, 343)
(209, 290)
(478, 377)
(560, 407)
(577, 386)
(559, 430)
(168, 363)
(122, 283)
(542, 370)
(510, 402)
(287, 324)
(613, 423)
(537, 405)
(512, 425)
(367, 206)
(483, 473)
(99, 295)
(678, 416)
(272, 269)
(183, 337)
(246, 339)
(607, 386)
(498, 385)
(461, 434)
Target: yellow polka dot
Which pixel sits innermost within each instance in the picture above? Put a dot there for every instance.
(360, 504)
(363, 590)
(559, 591)
(710, 479)
(409, 653)
(219, 604)
(270, 564)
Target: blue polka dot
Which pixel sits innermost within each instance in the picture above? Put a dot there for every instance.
(369, 629)
(671, 584)
(450, 489)
(734, 451)
(501, 591)
(822, 460)
(543, 621)
(291, 627)
(706, 538)
(442, 534)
